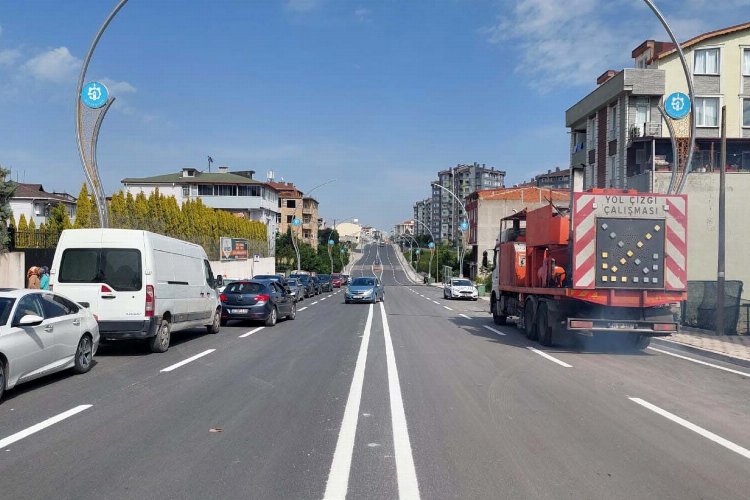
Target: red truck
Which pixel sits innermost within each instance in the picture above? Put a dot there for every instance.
(612, 261)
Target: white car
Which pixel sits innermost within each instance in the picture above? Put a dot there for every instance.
(41, 333)
(460, 288)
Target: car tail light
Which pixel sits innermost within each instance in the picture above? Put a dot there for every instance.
(150, 300)
(106, 289)
(576, 323)
(223, 297)
(665, 327)
(263, 298)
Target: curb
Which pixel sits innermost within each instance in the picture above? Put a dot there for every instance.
(719, 356)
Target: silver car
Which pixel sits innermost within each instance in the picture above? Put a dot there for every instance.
(365, 289)
(41, 333)
(296, 288)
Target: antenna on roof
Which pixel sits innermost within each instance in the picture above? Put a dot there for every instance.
(210, 161)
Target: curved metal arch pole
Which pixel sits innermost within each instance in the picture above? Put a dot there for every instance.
(689, 78)
(673, 138)
(95, 186)
(462, 252)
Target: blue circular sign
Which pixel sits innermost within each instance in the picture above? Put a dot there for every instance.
(464, 226)
(431, 245)
(296, 222)
(330, 242)
(677, 105)
(418, 251)
(94, 95)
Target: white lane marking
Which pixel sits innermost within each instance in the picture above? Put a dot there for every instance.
(464, 316)
(695, 428)
(435, 301)
(494, 330)
(302, 309)
(324, 298)
(329, 296)
(405, 471)
(446, 307)
(338, 477)
(41, 425)
(186, 361)
(247, 334)
(551, 358)
(744, 374)
(314, 303)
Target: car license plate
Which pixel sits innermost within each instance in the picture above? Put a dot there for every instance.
(622, 326)
(238, 311)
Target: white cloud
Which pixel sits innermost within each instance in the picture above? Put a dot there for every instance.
(8, 57)
(302, 5)
(56, 65)
(362, 14)
(116, 87)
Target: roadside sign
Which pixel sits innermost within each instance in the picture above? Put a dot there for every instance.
(94, 95)
(330, 242)
(418, 251)
(677, 105)
(296, 222)
(464, 226)
(234, 249)
(256, 258)
(431, 245)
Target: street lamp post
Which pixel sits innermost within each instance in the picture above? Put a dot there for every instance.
(464, 226)
(429, 272)
(330, 254)
(297, 222)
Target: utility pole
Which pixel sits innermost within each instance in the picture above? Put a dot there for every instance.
(720, 281)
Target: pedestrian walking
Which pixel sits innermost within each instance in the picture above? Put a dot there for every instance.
(44, 280)
(32, 278)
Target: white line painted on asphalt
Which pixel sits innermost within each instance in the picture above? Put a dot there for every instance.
(406, 474)
(186, 361)
(494, 330)
(331, 295)
(464, 316)
(247, 334)
(744, 374)
(446, 307)
(302, 309)
(697, 429)
(435, 301)
(338, 477)
(314, 303)
(324, 298)
(41, 425)
(551, 358)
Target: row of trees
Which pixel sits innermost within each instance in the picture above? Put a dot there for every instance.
(7, 188)
(310, 259)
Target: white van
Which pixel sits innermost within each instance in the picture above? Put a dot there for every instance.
(138, 284)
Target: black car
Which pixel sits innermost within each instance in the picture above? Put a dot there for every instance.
(326, 285)
(307, 282)
(316, 282)
(263, 300)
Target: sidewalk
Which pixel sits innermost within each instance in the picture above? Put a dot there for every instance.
(732, 348)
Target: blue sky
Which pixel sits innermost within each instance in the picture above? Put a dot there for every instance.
(379, 95)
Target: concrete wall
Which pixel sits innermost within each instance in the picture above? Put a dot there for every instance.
(12, 270)
(703, 222)
(244, 268)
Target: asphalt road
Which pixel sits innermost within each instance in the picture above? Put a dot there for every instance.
(412, 397)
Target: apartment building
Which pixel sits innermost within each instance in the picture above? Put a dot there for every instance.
(618, 132)
(553, 179)
(293, 204)
(423, 214)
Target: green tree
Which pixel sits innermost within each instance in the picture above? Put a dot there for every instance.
(22, 236)
(84, 209)
(7, 189)
(58, 220)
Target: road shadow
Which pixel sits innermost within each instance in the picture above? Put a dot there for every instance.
(44, 381)
(139, 347)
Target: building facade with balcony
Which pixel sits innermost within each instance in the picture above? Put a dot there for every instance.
(423, 213)
(294, 204)
(619, 134)
(34, 203)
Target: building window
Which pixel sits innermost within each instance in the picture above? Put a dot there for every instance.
(185, 191)
(226, 190)
(707, 111)
(289, 219)
(706, 62)
(612, 125)
(205, 190)
(746, 112)
(642, 112)
(746, 62)
(249, 190)
(291, 203)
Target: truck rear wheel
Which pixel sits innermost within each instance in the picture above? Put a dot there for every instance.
(498, 318)
(641, 342)
(543, 331)
(529, 326)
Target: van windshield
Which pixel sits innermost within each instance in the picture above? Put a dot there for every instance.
(120, 268)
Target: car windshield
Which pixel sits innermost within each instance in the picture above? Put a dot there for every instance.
(6, 304)
(363, 282)
(245, 287)
(462, 283)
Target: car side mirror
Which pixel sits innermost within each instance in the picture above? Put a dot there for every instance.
(30, 320)
(218, 281)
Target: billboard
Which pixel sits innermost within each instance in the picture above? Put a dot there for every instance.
(234, 249)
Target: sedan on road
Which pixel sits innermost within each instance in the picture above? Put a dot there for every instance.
(296, 288)
(365, 289)
(263, 300)
(459, 288)
(336, 280)
(307, 283)
(325, 283)
(41, 333)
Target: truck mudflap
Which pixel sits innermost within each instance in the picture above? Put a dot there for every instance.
(641, 327)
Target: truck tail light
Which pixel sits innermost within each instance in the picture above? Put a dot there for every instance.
(665, 327)
(577, 323)
(150, 300)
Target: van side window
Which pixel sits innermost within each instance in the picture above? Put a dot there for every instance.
(209, 273)
(119, 268)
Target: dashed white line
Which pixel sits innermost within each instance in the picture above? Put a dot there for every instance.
(551, 358)
(338, 477)
(188, 360)
(435, 301)
(41, 425)
(302, 309)
(324, 298)
(446, 307)
(314, 303)
(494, 330)
(247, 334)
(695, 428)
(464, 316)
(744, 374)
(329, 296)
(406, 473)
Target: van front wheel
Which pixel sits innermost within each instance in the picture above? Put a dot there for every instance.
(214, 327)
(160, 341)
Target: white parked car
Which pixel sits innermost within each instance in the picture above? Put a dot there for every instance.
(41, 333)
(460, 288)
(140, 285)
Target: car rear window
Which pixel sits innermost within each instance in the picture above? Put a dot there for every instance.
(6, 304)
(245, 288)
(119, 268)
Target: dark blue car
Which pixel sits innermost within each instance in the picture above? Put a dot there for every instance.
(262, 300)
